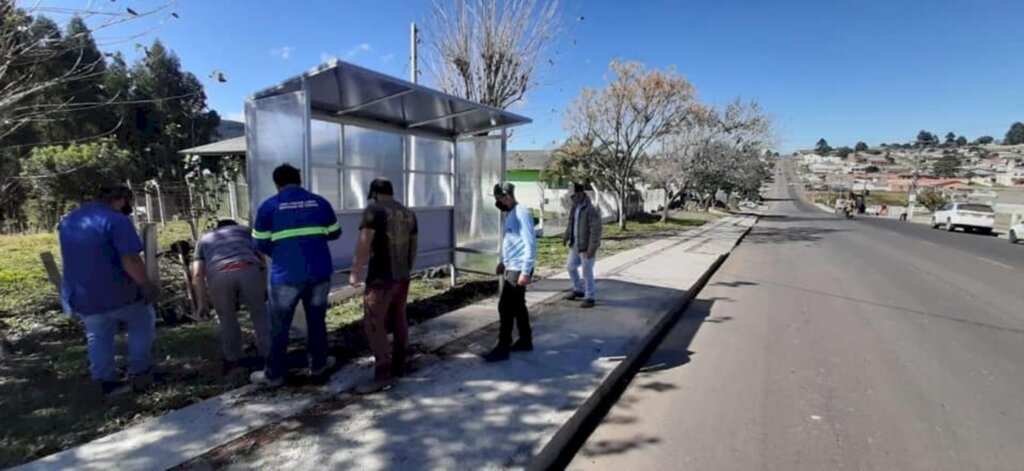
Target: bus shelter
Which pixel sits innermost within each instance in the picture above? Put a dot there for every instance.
(343, 125)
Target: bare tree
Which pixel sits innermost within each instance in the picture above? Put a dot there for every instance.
(488, 51)
(626, 118)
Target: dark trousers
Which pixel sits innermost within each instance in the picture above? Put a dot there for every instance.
(383, 305)
(512, 310)
(283, 300)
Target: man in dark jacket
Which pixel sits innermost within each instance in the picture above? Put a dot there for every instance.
(293, 228)
(583, 236)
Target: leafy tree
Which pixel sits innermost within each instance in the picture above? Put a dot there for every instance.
(1015, 135)
(637, 109)
(985, 140)
(961, 141)
(948, 165)
(844, 152)
(931, 199)
(822, 147)
(925, 138)
(950, 139)
(860, 147)
(65, 175)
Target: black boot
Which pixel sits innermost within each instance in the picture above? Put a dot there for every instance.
(498, 353)
(523, 345)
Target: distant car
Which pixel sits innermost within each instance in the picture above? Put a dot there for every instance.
(1017, 232)
(966, 216)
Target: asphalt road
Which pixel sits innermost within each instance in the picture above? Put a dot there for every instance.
(824, 343)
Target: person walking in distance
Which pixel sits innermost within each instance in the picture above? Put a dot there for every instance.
(225, 270)
(106, 285)
(583, 237)
(518, 255)
(293, 228)
(388, 239)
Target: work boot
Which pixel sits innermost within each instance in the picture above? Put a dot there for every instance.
(523, 345)
(498, 353)
(587, 304)
(575, 295)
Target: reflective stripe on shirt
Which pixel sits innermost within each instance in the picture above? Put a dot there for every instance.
(296, 232)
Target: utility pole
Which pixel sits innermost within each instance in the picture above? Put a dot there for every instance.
(413, 59)
(912, 195)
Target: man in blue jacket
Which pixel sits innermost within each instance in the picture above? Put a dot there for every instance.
(518, 255)
(292, 228)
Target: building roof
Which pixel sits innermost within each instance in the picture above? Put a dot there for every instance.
(338, 88)
(233, 146)
(527, 159)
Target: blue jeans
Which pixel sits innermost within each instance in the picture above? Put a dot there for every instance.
(283, 299)
(139, 320)
(586, 285)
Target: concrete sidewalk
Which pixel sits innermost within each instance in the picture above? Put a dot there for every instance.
(455, 411)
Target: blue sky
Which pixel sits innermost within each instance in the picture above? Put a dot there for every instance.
(846, 70)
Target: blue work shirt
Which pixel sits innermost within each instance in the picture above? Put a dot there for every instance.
(93, 239)
(519, 246)
(292, 228)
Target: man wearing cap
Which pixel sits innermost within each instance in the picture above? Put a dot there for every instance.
(583, 237)
(293, 228)
(388, 240)
(518, 255)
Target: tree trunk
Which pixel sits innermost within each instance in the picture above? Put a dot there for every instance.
(622, 209)
(664, 211)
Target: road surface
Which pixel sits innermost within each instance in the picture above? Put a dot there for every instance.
(824, 343)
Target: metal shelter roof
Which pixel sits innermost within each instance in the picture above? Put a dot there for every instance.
(342, 89)
(233, 146)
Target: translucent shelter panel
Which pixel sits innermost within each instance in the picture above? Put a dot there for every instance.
(370, 148)
(477, 222)
(431, 155)
(276, 134)
(326, 182)
(429, 189)
(357, 185)
(325, 142)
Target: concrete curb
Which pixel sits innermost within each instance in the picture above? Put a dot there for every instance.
(557, 453)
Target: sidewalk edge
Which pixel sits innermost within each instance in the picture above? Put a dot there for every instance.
(562, 447)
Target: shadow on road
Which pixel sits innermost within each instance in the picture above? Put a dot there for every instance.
(671, 352)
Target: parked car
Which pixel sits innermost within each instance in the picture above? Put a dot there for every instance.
(966, 216)
(1017, 232)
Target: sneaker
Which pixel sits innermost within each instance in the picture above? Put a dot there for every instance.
(499, 353)
(259, 378)
(115, 388)
(587, 304)
(575, 295)
(376, 385)
(522, 345)
(331, 361)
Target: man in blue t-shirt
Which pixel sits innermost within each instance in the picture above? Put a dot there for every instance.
(105, 283)
(292, 228)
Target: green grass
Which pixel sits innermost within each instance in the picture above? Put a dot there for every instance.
(26, 296)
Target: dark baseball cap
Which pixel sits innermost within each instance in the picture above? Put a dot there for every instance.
(504, 189)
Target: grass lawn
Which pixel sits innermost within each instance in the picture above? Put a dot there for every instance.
(48, 402)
